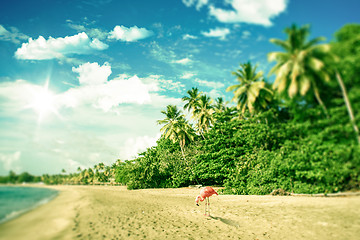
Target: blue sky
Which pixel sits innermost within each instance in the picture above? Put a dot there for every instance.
(83, 82)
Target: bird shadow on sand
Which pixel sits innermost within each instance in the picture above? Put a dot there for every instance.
(226, 221)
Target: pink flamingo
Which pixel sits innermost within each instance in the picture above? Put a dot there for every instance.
(205, 194)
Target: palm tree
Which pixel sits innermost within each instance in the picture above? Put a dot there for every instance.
(101, 166)
(203, 113)
(246, 93)
(176, 128)
(106, 174)
(220, 105)
(192, 99)
(346, 48)
(84, 176)
(99, 172)
(90, 175)
(300, 65)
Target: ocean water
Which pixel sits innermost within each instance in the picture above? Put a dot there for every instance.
(15, 200)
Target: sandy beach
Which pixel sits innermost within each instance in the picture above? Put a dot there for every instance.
(109, 212)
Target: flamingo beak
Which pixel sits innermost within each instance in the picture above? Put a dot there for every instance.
(197, 204)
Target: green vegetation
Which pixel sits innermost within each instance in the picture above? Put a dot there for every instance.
(295, 139)
(23, 177)
(301, 138)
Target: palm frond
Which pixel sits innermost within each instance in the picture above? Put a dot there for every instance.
(233, 87)
(314, 41)
(293, 88)
(304, 84)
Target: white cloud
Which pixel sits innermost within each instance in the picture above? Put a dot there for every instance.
(108, 95)
(214, 93)
(152, 82)
(10, 161)
(17, 95)
(170, 85)
(97, 33)
(134, 146)
(158, 83)
(93, 73)
(188, 36)
(187, 75)
(220, 33)
(183, 61)
(41, 48)
(210, 84)
(249, 11)
(77, 27)
(129, 34)
(13, 35)
(198, 3)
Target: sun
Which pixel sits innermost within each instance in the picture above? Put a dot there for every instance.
(43, 101)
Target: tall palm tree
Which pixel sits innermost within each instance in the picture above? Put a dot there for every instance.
(192, 99)
(203, 113)
(346, 63)
(246, 93)
(301, 64)
(176, 128)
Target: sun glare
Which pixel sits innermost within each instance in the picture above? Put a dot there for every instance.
(43, 102)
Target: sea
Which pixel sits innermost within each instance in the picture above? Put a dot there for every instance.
(16, 200)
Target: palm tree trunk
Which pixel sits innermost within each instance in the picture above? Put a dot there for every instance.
(182, 152)
(317, 96)
(348, 105)
(200, 130)
(202, 134)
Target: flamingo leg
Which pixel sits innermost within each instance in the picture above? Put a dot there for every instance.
(209, 206)
(205, 206)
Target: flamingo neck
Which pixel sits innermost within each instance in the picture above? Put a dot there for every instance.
(199, 198)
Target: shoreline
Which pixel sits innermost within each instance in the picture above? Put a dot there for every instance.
(112, 212)
(17, 213)
(46, 221)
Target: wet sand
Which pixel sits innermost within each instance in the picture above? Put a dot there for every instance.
(109, 212)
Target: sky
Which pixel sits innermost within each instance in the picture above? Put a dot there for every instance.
(84, 82)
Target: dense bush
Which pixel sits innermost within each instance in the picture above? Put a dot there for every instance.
(254, 156)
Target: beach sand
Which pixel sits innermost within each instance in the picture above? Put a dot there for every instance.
(112, 212)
